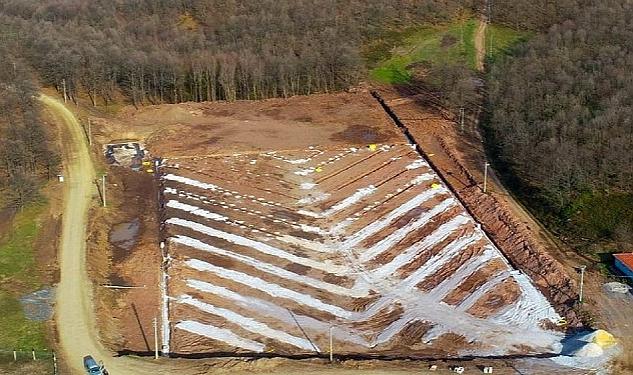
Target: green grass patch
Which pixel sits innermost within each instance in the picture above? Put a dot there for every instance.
(602, 216)
(23, 366)
(18, 276)
(17, 332)
(596, 224)
(17, 261)
(502, 39)
(392, 58)
(428, 45)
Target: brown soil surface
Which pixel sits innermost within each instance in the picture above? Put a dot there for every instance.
(261, 224)
(480, 44)
(126, 315)
(473, 282)
(301, 177)
(459, 157)
(505, 294)
(197, 129)
(254, 217)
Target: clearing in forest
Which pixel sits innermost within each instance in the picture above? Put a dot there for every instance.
(431, 46)
(342, 230)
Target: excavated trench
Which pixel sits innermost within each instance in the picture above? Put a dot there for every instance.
(337, 357)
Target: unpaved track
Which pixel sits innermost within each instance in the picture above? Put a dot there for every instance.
(480, 44)
(74, 313)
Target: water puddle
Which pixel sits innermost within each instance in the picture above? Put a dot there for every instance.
(124, 236)
(38, 305)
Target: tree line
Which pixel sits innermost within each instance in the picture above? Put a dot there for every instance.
(561, 120)
(156, 51)
(26, 160)
(536, 15)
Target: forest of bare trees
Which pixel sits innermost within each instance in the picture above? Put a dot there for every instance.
(155, 51)
(25, 156)
(535, 15)
(562, 120)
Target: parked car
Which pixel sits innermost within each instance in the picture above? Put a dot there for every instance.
(92, 367)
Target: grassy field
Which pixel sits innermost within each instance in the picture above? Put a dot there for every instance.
(502, 39)
(433, 45)
(18, 276)
(598, 225)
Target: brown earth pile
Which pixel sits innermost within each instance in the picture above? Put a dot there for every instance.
(514, 239)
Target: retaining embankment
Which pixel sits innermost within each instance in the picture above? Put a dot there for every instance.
(510, 235)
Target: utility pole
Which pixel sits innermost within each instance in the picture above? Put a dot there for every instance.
(490, 44)
(64, 86)
(155, 338)
(582, 280)
(486, 176)
(462, 113)
(489, 11)
(331, 346)
(89, 132)
(55, 370)
(103, 189)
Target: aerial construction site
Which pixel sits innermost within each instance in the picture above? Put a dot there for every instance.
(267, 251)
(327, 232)
(309, 187)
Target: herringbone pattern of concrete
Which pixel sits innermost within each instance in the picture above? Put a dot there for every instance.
(277, 252)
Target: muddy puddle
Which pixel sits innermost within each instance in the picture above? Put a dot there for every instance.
(363, 134)
(124, 237)
(116, 279)
(38, 305)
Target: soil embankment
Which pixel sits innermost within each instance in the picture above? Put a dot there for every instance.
(513, 237)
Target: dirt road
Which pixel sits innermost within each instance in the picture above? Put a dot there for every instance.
(480, 44)
(74, 312)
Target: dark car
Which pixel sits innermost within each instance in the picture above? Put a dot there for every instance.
(92, 367)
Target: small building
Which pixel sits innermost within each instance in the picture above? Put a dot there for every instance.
(624, 263)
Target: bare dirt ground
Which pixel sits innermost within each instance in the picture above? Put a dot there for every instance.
(273, 220)
(311, 154)
(198, 129)
(140, 125)
(480, 44)
(460, 158)
(124, 253)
